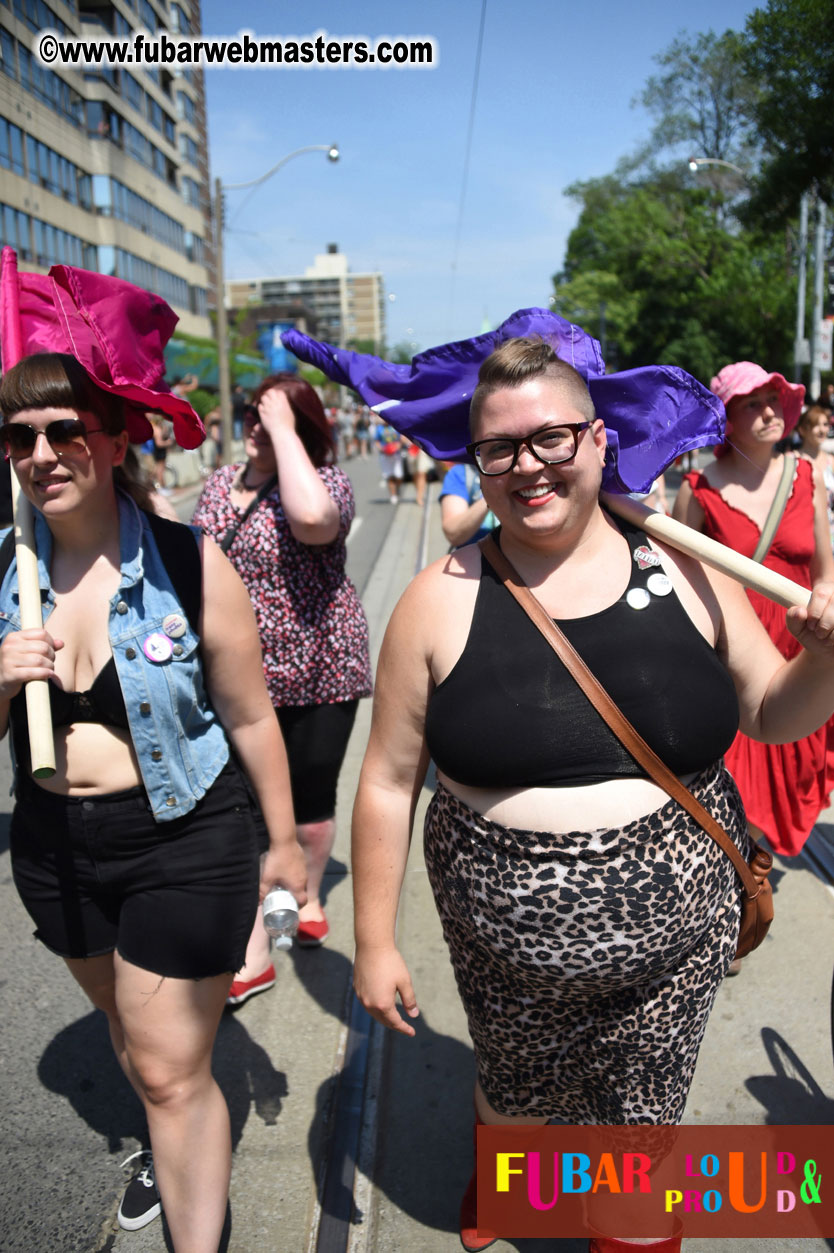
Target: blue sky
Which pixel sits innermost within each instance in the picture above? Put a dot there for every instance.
(554, 105)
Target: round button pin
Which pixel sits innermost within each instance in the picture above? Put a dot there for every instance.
(659, 584)
(174, 626)
(157, 647)
(637, 598)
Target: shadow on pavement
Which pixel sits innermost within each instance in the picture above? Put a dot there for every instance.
(424, 1148)
(791, 1094)
(79, 1064)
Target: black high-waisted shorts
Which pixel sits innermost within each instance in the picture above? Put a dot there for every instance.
(98, 873)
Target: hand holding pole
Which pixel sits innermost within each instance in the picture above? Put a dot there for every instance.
(743, 569)
(41, 740)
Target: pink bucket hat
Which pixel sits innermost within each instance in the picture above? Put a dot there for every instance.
(743, 377)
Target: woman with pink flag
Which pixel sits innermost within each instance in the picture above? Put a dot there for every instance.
(135, 855)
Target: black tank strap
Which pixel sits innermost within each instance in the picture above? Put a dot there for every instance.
(180, 553)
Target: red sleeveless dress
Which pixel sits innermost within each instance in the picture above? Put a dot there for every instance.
(784, 786)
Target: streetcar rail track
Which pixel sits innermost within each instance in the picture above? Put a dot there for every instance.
(342, 1218)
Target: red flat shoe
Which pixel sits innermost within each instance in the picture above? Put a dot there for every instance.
(312, 934)
(471, 1238)
(242, 989)
(607, 1244)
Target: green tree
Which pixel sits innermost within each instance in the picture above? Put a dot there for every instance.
(402, 352)
(788, 51)
(702, 99)
(674, 284)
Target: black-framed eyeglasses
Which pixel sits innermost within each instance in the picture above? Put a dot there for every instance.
(65, 437)
(552, 445)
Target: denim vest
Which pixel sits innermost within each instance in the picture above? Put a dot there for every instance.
(179, 742)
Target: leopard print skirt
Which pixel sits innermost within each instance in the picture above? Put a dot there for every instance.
(588, 961)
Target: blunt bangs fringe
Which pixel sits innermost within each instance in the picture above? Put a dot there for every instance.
(53, 380)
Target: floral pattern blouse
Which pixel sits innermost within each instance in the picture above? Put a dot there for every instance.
(314, 634)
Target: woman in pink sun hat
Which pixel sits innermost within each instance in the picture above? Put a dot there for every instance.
(770, 506)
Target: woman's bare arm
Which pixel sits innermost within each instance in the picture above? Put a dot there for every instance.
(235, 682)
(393, 771)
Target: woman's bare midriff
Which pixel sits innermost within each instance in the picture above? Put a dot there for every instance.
(592, 807)
(92, 759)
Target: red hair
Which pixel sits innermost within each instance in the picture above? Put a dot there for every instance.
(311, 423)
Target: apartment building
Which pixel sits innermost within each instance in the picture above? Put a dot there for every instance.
(106, 167)
(347, 307)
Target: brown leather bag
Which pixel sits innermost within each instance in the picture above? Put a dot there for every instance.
(757, 897)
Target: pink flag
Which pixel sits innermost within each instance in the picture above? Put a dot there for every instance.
(115, 330)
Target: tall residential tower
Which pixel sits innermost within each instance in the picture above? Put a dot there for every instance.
(106, 167)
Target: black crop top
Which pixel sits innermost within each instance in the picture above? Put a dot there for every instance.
(103, 702)
(509, 715)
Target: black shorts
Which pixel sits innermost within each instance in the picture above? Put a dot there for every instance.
(99, 873)
(316, 737)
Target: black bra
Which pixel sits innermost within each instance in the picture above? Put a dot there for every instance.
(509, 715)
(103, 702)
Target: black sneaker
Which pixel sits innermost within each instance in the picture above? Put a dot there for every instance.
(140, 1203)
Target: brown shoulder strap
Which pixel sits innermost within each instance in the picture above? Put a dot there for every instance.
(611, 713)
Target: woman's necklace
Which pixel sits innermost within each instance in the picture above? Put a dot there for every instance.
(244, 486)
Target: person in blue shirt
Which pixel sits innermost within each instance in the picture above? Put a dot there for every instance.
(464, 514)
(137, 859)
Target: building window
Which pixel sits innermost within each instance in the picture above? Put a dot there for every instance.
(8, 61)
(197, 302)
(48, 245)
(135, 93)
(11, 147)
(185, 107)
(190, 191)
(188, 148)
(148, 16)
(17, 232)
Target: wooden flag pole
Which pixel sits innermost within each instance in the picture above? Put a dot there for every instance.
(743, 569)
(41, 740)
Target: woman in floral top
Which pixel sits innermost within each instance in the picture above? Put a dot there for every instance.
(290, 552)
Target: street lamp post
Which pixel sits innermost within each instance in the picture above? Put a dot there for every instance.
(695, 163)
(223, 370)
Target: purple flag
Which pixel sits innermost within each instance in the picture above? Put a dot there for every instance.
(652, 414)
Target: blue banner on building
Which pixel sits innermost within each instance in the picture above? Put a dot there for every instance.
(269, 343)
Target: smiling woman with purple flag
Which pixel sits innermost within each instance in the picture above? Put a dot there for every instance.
(135, 854)
(576, 684)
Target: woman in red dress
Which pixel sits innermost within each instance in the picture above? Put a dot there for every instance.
(784, 786)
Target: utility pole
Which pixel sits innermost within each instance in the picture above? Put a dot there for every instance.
(223, 372)
(819, 283)
(799, 340)
(223, 376)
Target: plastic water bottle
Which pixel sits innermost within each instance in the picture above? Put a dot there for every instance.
(281, 917)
